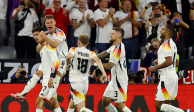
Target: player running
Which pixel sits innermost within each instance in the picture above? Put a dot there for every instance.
(117, 87)
(79, 72)
(167, 61)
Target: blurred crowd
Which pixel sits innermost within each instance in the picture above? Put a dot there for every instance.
(141, 20)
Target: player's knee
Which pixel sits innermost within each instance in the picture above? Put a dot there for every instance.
(39, 73)
(53, 103)
(38, 103)
(120, 106)
(157, 106)
(105, 102)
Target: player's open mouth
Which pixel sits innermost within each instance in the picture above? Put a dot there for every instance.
(50, 28)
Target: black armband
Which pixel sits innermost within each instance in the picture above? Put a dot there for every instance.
(53, 75)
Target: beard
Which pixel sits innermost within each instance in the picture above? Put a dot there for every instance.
(162, 36)
(111, 40)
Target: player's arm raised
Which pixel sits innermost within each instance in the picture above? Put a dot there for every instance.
(162, 65)
(68, 60)
(40, 46)
(108, 65)
(52, 43)
(100, 66)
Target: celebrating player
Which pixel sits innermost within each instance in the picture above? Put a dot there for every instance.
(167, 61)
(79, 72)
(56, 39)
(117, 87)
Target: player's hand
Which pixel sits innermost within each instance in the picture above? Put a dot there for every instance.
(103, 79)
(67, 67)
(151, 69)
(42, 34)
(50, 83)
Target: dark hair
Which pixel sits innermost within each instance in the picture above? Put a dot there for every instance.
(170, 29)
(120, 30)
(126, 0)
(38, 28)
(99, 1)
(49, 17)
(155, 6)
(84, 39)
(21, 66)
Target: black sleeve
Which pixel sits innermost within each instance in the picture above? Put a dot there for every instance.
(13, 79)
(91, 80)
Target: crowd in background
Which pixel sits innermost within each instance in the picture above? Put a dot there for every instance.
(141, 20)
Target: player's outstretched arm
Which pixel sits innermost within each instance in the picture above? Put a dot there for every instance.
(163, 65)
(52, 43)
(99, 63)
(103, 54)
(40, 46)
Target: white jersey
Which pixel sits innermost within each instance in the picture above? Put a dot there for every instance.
(119, 70)
(167, 48)
(62, 48)
(49, 60)
(80, 65)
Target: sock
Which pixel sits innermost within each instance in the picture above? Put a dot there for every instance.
(170, 108)
(111, 108)
(30, 84)
(83, 109)
(126, 109)
(70, 110)
(39, 110)
(57, 109)
(56, 84)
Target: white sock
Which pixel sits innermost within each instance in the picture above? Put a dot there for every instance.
(170, 108)
(126, 109)
(39, 110)
(56, 84)
(111, 108)
(70, 110)
(83, 109)
(57, 109)
(30, 84)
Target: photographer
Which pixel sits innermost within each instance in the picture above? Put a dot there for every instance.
(21, 75)
(96, 76)
(151, 53)
(25, 20)
(135, 77)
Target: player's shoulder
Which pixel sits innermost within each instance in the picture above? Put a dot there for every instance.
(59, 32)
(47, 32)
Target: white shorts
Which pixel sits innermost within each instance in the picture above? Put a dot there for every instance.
(61, 68)
(167, 89)
(45, 88)
(118, 94)
(78, 91)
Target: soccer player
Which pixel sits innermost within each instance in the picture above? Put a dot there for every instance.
(167, 61)
(79, 72)
(56, 39)
(117, 87)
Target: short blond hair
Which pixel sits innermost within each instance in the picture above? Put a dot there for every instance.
(84, 39)
(49, 17)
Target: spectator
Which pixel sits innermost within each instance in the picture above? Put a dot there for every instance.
(153, 29)
(61, 16)
(157, 10)
(49, 3)
(82, 21)
(130, 22)
(154, 78)
(25, 20)
(37, 4)
(151, 53)
(21, 75)
(191, 17)
(104, 22)
(179, 27)
(12, 4)
(133, 78)
(96, 77)
(3, 25)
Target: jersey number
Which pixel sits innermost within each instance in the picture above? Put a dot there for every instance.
(82, 65)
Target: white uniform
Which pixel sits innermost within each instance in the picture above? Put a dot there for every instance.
(79, 72)
(61, 49)
(50, 64)
(168, 86)
(117, 87)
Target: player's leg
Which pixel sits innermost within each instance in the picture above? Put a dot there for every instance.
(55, 105)
(39, 104)
(107, 98)
(71, 106)
(81, 107)
(123, 107)
(30, 85)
